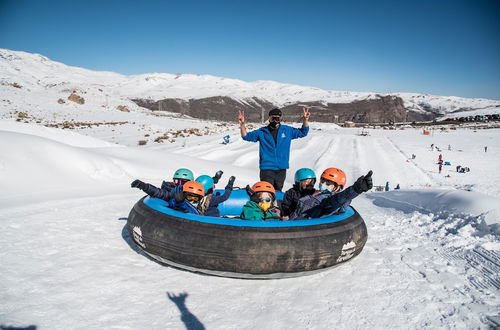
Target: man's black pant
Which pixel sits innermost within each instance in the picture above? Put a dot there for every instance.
(274, 177)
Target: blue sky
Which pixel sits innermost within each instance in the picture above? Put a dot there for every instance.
(435, 47)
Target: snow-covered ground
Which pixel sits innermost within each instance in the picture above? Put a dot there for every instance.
(432, 259)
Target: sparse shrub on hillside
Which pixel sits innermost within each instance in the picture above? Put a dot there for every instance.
(22, 116)
(77, 99)
(14, 84)
(74, 125)
(123, 108)
(61, 101)
(142, 142)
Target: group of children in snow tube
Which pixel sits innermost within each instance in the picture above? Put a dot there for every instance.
(302, 201)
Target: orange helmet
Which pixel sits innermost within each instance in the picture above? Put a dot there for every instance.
(334, 175)
(263, 186)
(193, 187)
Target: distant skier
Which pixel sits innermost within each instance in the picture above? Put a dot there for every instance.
(485, 149)
(226, 139)
(449, 147)
(387, 186)
(440, 158)
(397, 187)
(432, 147)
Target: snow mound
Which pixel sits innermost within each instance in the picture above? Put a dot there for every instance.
(69, 137)
(27, 161)
(473, 208)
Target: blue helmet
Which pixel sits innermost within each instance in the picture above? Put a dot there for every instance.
(207, 182)
(304, 173)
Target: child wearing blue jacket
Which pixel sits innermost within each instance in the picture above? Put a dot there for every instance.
(187, 199)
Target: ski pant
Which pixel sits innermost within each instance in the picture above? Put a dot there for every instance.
(274, 177)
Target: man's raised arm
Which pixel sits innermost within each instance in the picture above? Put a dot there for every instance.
(241, 120)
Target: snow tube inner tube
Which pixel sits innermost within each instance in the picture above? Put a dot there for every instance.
(238, 248)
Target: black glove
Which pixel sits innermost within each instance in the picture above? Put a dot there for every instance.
(249, 190)
(364, 183)
(217, 176)
(168, 186)
(230, 183)
(179, 196)
(138, 184)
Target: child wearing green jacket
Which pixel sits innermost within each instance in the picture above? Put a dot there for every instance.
(259, 207)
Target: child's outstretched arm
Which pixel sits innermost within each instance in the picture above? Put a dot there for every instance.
(217, 199)
(151, 190)
(363, 183)
(344, 198)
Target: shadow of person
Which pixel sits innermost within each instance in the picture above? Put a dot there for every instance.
(190, 321)
(30, 327)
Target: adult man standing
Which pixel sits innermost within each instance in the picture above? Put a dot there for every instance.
(274, 144)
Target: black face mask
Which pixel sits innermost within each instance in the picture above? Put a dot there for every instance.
(274, 125)
(307, 191)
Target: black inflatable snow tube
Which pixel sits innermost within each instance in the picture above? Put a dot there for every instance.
(245, 249)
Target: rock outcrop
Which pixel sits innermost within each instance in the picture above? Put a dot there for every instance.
(381, 109)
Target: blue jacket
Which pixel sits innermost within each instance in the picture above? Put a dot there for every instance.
(272, 155)
(183, 206)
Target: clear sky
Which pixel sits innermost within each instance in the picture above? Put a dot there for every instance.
(436, 47)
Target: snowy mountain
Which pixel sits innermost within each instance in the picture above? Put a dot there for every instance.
(34, 73)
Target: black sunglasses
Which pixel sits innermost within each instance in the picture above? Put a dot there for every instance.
(276, 118)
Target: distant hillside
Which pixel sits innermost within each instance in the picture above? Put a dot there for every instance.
(210, 97)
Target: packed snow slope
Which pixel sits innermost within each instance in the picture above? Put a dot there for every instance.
(431, 260)
(24, 75)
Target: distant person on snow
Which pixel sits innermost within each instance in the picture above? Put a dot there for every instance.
(485, 149)
(386, 186)
(274, 144)
(260, 206)
(305, 178)
(397, 187)
(166, 192)
(208, 205)
(331, 197)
